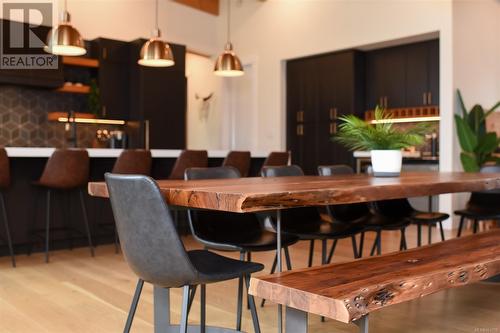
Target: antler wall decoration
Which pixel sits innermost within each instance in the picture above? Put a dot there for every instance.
(204, 110)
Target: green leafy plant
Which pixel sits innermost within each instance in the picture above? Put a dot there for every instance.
(477, 144)
(357, 134)
(94, 99)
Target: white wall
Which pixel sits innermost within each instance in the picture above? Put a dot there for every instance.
(205, 120)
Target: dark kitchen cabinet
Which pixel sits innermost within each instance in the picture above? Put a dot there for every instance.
(320, 89)
(403, 76)
(113, 77)
(422, 73)
(433, 72)
(159, 95)
(385, 78)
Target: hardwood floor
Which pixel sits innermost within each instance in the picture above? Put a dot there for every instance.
(77, 293)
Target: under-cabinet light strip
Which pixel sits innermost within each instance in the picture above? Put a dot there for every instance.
(405, 120)
(91, 121)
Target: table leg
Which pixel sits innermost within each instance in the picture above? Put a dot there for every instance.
(279, 264)
(362, 323)
(296, 321)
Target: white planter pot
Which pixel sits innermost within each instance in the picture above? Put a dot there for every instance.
(386, 163)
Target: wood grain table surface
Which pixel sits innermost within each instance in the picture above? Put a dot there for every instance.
(261, 194)
(347, 291)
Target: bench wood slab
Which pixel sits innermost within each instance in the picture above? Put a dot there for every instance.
(347, 291)
(259, 194)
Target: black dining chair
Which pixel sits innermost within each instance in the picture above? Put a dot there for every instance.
(368, 217)
(306, 222)
(482, 206)
(224, 231)
(155, 253)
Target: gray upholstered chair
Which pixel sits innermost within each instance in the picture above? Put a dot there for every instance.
(155, 253)
(225, 231)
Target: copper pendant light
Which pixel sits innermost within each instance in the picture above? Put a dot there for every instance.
(65, 39)
(155, 52)
(228, 64)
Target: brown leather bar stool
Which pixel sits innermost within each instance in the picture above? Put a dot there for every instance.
(133, 162)
(67, 171)
(188, 159)
(4, 183)
(276, 158)
(239, 160)
(130, 162)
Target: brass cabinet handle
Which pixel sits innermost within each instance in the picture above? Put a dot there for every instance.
(385, 102)
(425, 99)
(104, 112)
(104, 53)
(429, 98)
(333, 128)
(300, 130)
(381, 102)
(300, 116)
(333, 114)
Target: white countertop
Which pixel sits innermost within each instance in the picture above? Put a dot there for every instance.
(111, 153)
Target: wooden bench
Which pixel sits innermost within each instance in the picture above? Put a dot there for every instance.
(349, 291)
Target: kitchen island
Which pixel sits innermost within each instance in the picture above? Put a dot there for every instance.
(27, 164)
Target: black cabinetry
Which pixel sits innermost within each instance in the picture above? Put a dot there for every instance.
(320, 89)
(403, 76)
(114, 77)
(159, 95)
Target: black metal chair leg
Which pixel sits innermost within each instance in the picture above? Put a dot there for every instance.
(419, 235)
(403, 245)
(239, 304)
(311, 253)
(379, 244)
(332, 250)
(287, 259)
(133, 306)
(441, 230)
(323, 251)
(47, 227)
(273, 269)
(191, 296)
(361, 244)
(354, 247)
(460, 226)
(203, 308)
(184, 311)
(475, 226)
(7, 230)
(429, 235)
(375, 244)
(86, 221)
(253, 309)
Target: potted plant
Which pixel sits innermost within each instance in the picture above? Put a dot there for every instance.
(382, 139)
(94, 99)
(477, 144)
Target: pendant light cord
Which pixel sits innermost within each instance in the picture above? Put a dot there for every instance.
(156, 18)
(228, 21)
(65, 5)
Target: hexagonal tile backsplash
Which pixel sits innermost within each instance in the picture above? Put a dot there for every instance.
(23, 118)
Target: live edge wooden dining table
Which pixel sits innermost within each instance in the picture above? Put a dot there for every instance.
(257, 194)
